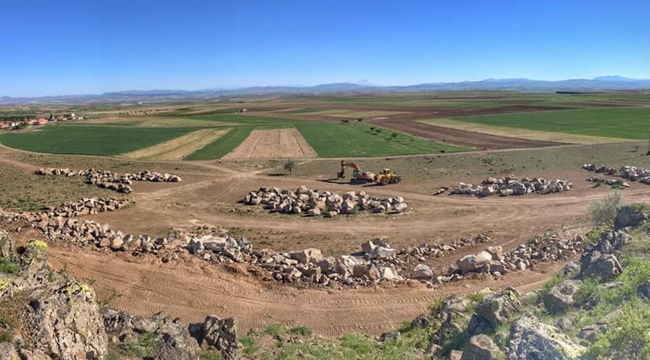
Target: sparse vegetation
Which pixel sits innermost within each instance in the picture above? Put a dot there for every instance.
(603, 212)
(290, 165)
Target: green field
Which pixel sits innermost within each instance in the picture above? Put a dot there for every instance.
(89, 140)
(244, 119)
(222, 145)
(357, 140)
(302, 111)
(622, 123)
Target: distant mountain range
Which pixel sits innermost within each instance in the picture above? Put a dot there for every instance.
(601, 83)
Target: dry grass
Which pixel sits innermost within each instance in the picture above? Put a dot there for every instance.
(272, 144)
(178, 148)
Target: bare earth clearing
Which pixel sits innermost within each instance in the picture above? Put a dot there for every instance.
(272, 144)
(178, 148)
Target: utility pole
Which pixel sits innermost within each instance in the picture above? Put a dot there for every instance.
(648, 153)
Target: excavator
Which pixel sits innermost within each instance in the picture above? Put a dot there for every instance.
(359, 176)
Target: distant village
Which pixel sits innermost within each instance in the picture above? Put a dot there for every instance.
(20, 124)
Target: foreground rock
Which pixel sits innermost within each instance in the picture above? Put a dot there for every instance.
(532, 340)
(56, 317)
(311, 202)
(510, 185)
(60, 316)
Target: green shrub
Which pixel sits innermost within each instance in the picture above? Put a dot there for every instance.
(603, 212)
(274, 329)
(627, 337)
(289, 165)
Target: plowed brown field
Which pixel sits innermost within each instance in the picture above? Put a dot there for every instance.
(272, 144)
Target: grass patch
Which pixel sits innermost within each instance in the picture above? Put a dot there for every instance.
(302, 111)
(8, 267)
(223, 145)
(244, 119)
(622, 123)
(357, 140)
(89, 140)
(300, 330)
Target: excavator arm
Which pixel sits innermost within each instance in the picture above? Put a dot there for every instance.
(344, 164)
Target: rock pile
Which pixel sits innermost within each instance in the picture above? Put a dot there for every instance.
(510, 185)
(628, 172)
(313, 203)
(112, 181)
(309, 266)
(87, 206)
(610, 182)
(494, 262)
(61, 171)
(600, 169)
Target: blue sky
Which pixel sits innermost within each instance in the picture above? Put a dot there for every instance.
(81, 47)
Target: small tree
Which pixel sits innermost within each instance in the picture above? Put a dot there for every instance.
(393, 136)
(289, 165)
(378, 131)
(372, 128)
(603, 212)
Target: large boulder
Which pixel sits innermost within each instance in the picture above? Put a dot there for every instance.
(532, 340)
(369, 246)
(597, 264)
(471, 263)
(422, 272)
(480, 347)
(497, 308)
(561, 296)
(629, 216)
(307, 256)
(175, 342)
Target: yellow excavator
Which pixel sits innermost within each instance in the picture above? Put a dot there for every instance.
(359, 176)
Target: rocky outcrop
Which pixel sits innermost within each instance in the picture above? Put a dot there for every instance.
(510, 185)
(311, 202)
(561, 296)
(219, 334)
(499, 307)
(532, 340)
(61, 317)
(599, 261)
